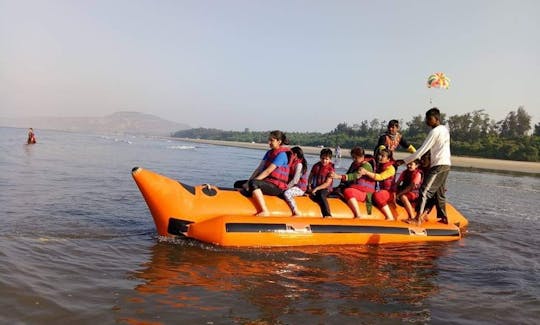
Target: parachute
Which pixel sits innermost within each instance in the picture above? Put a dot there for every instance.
(438, 80)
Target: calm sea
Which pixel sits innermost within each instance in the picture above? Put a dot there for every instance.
(78, 245)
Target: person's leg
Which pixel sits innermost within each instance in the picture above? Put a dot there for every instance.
(435, 178)
(289, 195)
(258, 188)
(322, 199)
(440, 197)
(260, 203)
(381, 199)
(408, 206)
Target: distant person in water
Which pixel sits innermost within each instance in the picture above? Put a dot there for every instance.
(31, 136)
(272, 174)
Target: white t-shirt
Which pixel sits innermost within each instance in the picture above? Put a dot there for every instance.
(438, 141)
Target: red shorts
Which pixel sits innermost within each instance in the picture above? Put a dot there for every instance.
(381, 198)
(351, 192)
(412, 196)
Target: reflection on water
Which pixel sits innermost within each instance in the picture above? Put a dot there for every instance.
(283, 286)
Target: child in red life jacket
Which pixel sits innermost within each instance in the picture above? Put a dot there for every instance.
(407, 186)
(355, 187)
(298, 176)
(320, 181)
(385, 180)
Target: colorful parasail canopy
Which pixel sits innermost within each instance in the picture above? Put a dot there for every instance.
(438, 80)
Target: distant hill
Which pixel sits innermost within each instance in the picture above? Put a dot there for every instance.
(116, 123)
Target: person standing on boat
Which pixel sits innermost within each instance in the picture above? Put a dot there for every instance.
(272, 174)
(297, 186)
(433, 187)
(392, 139)
(31, 136)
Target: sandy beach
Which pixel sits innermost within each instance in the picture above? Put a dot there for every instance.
(457, 161)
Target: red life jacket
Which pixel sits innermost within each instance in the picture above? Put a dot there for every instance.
(364, 183)
(302, 182)
(280, 175)
(406, 178)
(392, 143)
(321, 173)
(385, 184)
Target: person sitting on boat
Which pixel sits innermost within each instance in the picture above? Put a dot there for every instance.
(385, 180)
(31, 136)
(297, 186)
(407, 187)
(433, 189)
(272, 174)
(354, 188)
(320, 181)
(392, 139)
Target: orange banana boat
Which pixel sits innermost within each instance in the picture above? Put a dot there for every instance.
(224, 216)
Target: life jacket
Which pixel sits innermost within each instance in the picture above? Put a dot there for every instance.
(406, 179)
(280, 175)
(303, 181)
(385, 184)
(321, 173)
(364, 183)
(391, 143)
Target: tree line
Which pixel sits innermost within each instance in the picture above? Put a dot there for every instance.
(473, 134)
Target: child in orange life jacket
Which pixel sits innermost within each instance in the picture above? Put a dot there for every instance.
(385, 179)
(297, 185)
(407, 186)
(355, 188)
(320, 181)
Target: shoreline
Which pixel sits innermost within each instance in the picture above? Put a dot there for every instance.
(485, 164)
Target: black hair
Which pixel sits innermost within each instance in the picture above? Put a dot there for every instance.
(326, 153)
(277, 134)
(434, 112)
(300, 154)
(392, 123)
(358, 152)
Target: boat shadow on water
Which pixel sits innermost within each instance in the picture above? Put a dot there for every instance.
(186, 281)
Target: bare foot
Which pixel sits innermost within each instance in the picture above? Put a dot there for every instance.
(262, 214)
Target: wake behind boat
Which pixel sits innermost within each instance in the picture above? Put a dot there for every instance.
(225, 217)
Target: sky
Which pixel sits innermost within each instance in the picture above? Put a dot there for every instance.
(290, 65)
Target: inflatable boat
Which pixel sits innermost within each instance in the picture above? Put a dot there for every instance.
(226, 217)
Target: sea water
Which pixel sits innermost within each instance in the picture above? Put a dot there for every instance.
(78, 245)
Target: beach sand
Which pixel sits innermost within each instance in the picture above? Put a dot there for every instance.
(457, 161)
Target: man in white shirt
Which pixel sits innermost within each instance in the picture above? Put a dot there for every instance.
(433, 187)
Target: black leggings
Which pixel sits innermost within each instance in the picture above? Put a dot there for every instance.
(265, 187)
(321, 196)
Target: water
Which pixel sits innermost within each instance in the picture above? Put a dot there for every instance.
(78, 244)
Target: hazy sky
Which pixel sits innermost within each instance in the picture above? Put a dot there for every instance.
(290, 65)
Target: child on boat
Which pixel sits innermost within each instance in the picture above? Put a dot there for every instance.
(320, 181)
(385, 180)
(297, 186)
(407, 186)
(356, 188)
